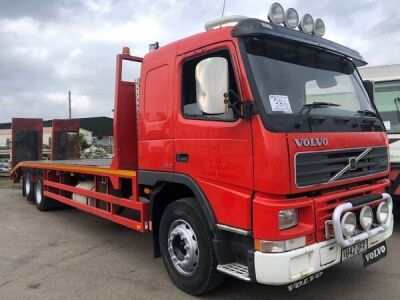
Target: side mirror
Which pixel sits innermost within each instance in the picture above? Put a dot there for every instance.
(212, 83)
(370, 88)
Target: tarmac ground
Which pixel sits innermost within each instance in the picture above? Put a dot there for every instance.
(68, 254)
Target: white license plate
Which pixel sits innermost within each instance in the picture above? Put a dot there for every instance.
(356, 249)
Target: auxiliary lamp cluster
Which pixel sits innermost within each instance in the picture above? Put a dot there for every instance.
(290, 18)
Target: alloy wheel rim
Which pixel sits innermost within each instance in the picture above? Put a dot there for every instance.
(27, 183)
(183, 247)
(38, 191)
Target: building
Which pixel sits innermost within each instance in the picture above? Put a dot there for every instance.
(5, 136)
(96, 130)
(102, 131)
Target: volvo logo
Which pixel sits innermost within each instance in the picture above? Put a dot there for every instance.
(352, 163)
(351, 166)
(311, 142)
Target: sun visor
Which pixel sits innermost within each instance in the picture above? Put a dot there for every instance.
(249, 27)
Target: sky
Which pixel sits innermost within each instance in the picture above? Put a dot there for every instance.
(50, 47)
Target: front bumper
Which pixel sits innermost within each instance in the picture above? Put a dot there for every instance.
(291, 266)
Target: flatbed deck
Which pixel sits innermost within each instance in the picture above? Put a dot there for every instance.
(103, 163)
(100, 200)
(88, 166)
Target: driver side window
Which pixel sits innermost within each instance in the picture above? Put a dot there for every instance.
(190, 107)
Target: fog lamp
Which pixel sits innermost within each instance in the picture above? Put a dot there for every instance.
(366, 217)
(276, 13)
(382, 212)
(349, 223)
(291, 18)
(319, 28)
(307, 23)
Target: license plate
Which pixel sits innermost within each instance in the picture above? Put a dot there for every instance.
(374, 254)
(354, 250)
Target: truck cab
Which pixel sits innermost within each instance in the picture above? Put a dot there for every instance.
(273, 132)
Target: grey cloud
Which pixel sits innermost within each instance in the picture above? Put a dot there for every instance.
(38, 9)
(50, 47)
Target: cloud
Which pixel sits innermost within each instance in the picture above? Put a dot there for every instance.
(50, 47)
(38, 9)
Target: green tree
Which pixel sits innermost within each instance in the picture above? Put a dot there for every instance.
(83, 142)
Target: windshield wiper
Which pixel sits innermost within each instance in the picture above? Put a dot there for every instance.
(368, 113)
(307, 108)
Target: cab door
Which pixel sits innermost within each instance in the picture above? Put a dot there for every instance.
(214, 149)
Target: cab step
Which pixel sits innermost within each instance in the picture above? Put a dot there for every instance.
(235, 270)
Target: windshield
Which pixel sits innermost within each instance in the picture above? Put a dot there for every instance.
(287, 77)
(387, 100)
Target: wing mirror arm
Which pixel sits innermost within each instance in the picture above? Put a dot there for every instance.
(248, 110)
(241, 109)
(233, 101)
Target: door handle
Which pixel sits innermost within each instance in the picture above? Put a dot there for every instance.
(182, 157)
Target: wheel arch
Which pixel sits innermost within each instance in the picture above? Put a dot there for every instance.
(167, 188)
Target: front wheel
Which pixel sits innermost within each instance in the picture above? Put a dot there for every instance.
(186, 248)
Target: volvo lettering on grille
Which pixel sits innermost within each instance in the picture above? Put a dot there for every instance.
(311, 142)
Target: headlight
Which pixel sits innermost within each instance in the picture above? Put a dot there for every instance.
(366, 217)
(307, 24)
(319, 28)
(276, 14)
(349, 224)
(382, 212)
(291, 18)
(288, 218)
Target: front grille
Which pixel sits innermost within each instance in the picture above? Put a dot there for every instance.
(319, 167)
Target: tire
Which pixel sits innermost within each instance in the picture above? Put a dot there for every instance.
(42, 203)
(186, 248)
(28, 187)
(396, 206)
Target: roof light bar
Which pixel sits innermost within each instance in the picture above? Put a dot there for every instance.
(290, 19)
(277, 15)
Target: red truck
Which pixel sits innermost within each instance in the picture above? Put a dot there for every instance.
(252, 150)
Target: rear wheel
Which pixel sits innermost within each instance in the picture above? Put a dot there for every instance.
(28, 187)
(186, 248)
(42, 203)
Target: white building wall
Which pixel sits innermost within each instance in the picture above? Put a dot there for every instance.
(5, 135)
